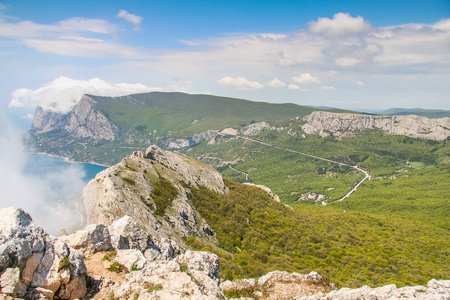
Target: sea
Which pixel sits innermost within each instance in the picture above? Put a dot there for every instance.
(42, 165)
(55, 187)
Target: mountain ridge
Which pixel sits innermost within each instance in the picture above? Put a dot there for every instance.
(105, 129)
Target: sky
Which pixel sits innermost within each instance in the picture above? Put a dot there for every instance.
(345, 54)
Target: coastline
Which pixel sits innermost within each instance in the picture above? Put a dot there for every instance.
(68, 160)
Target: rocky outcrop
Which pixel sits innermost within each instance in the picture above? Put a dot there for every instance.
(33, 263)
(268, 190)
(433, 290)
(278, 285)
(172, 143)
(83, 121)
(168, 275)
(343, 125)
(46, 120)
(255, 128)
(153, 188)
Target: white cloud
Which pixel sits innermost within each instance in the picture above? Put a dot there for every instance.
(347, 62)
(239, 83)
(332, 73)
(27, 116)
(276, 83)
(305, 78)
(328, 88)
(292, 86)
(296, 87)
(134, 19)
(37, 194)
(442, 25)
(82, 47)
(413, 45)
(63, 93)
(72, 37)
(341, 24)
(359, 83)
(28, 29)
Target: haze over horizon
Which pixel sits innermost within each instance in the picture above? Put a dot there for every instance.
(346, 54)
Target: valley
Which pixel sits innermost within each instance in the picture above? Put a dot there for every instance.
(331, 219)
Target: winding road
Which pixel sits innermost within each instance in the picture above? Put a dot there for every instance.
(366, 173)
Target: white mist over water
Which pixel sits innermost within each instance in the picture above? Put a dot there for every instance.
(37, 193)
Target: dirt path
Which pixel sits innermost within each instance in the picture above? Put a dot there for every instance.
(245, 174)
(366, 173)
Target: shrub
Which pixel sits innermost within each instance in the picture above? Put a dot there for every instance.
(64, 263)
(116, 267)
(156, 287)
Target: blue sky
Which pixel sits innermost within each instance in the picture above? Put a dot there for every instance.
(347, 54)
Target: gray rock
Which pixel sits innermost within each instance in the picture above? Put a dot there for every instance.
(191, 171)
(342, 125)
(433, 290)
(202, 261)
(131, 259)
(83, 121)
(255, 129)
(127, 189)
(164, 279)
(11, 283)
(43, 261)
(126, 234)
(93, 238)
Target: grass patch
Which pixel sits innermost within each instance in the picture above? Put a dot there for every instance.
(164, 192)
(128, 181)
(241, 293)
(156, 287)
(110, 255)
(64, 263)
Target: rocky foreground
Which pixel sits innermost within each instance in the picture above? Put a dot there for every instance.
(121, 261)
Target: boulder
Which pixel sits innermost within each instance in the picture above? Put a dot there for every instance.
(32, 259)
(202, 261)
(11, 283)
(126, 234)
(438, 290)
(132, 259)
(93, 238)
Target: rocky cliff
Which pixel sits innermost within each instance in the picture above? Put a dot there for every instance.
(121, 261)
(153, 188)
(342, 125)
(83, 121)
(34, 264)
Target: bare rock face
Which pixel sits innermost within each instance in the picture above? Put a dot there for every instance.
(31, 259)
(172, 143)
(342, 125)
(187, 169)
(433, 290)
(83, 121)
(255, 128)
(153, 189)
(93, 238)
(171, 275)
(44, 120)
(279, 285)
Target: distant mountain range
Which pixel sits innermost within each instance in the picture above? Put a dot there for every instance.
(429, 113)
(105, 129)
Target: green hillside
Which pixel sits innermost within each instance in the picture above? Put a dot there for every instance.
(181, 115)
(257, 235)
(409, 175)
